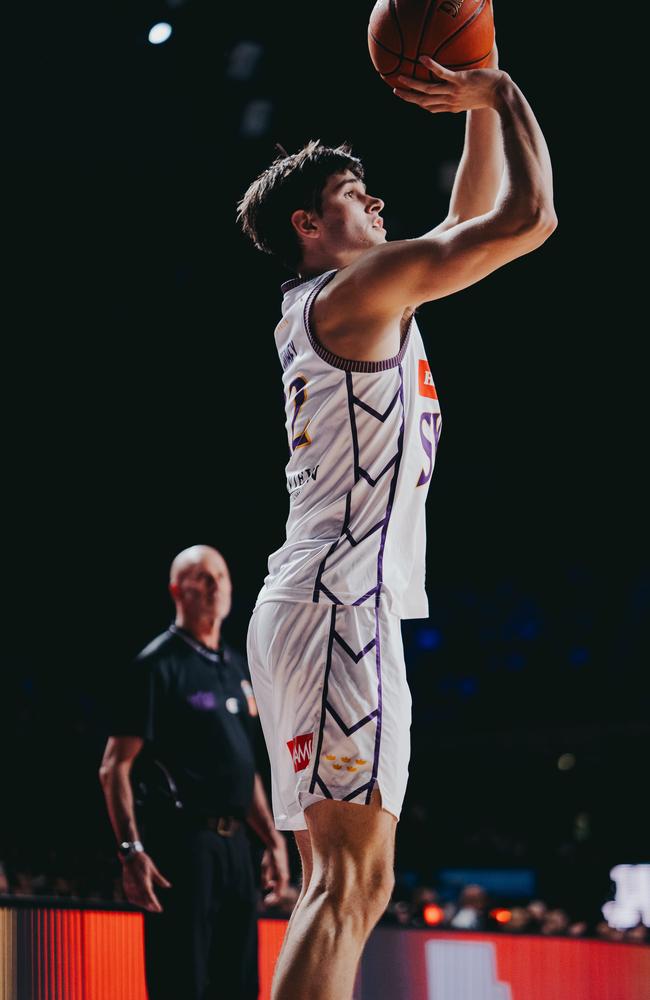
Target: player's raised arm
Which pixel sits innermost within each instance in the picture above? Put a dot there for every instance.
(393, 276)
(480, 171)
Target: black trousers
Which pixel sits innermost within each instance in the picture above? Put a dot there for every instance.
(203, 946)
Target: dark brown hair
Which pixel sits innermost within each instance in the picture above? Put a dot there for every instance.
(293, 181)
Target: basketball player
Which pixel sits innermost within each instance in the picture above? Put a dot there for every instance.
(363, 423)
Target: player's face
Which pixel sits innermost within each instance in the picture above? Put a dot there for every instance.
(350, 216)
(205, 590)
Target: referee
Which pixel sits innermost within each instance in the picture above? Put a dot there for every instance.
(185, 712)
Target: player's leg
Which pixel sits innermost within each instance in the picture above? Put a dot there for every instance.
(352, 850)
(303, 844)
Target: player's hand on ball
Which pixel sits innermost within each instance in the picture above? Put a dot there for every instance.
(464, 90)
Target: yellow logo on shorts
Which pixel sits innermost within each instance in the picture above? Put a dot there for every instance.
(358, 761)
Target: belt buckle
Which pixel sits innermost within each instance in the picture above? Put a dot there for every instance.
(226, 826)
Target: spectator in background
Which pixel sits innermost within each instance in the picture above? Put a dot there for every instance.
(471, 911)
(520, 921)
(401, 913)
(537, 910)
(186, 707)
(555, 922)
(607, 933)
(636, 935)
(422, 896)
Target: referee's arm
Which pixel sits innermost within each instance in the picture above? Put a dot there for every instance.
(275, 862)
(114, 774)
(139, 873)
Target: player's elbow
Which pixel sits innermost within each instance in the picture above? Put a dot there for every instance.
(532, 225)
(543, 223)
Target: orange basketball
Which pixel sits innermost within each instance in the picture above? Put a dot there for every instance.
(458, 34)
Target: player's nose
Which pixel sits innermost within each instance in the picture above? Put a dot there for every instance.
(375, 204)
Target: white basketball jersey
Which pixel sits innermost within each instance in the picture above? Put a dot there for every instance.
(362, 440)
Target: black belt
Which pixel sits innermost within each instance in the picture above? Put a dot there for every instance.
(225, 826)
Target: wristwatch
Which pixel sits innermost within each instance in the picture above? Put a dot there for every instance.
(128, 849)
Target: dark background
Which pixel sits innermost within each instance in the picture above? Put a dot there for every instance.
(144, 414)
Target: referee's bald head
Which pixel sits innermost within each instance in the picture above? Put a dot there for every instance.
(200, 586)
(194, 556)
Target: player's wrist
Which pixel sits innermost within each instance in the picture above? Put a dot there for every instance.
(501, 91)
(493, 58)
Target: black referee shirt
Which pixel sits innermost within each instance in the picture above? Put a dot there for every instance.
(193, 707)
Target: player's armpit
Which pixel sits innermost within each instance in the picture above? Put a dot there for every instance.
(389, 278)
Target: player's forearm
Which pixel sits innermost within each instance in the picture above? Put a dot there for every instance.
(480, 170)
(259, 815)
(527, 191)
(119, 801)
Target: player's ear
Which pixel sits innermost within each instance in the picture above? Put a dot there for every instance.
(304, 224)
(174, 590)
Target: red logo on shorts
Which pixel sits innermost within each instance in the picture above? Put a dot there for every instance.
(425, 380)
(300, 748)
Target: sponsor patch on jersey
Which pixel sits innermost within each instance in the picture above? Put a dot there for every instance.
(425, 380)
(300, 748)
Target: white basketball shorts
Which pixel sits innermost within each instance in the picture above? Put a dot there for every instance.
(335, 707)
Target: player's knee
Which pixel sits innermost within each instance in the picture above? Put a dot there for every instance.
(380, 884)
(357, 890)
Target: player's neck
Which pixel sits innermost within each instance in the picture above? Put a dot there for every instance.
(314, 265)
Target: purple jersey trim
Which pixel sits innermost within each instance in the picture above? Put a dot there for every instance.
(288, 286)
(319, 746)
(347, 364)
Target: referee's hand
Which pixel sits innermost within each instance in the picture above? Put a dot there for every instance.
(139, 875)
(275, 871)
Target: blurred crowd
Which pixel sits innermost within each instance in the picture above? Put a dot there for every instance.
(425, 907)
(473, 910)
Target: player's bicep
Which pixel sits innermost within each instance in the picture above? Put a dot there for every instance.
(410, 272)
(457, 258)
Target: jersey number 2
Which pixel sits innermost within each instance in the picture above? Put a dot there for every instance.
(299, 390)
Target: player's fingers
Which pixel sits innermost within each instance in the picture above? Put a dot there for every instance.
(424, 100)
(423, 87)
(436, 68)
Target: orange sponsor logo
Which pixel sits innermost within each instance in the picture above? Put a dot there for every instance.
(425, 380)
